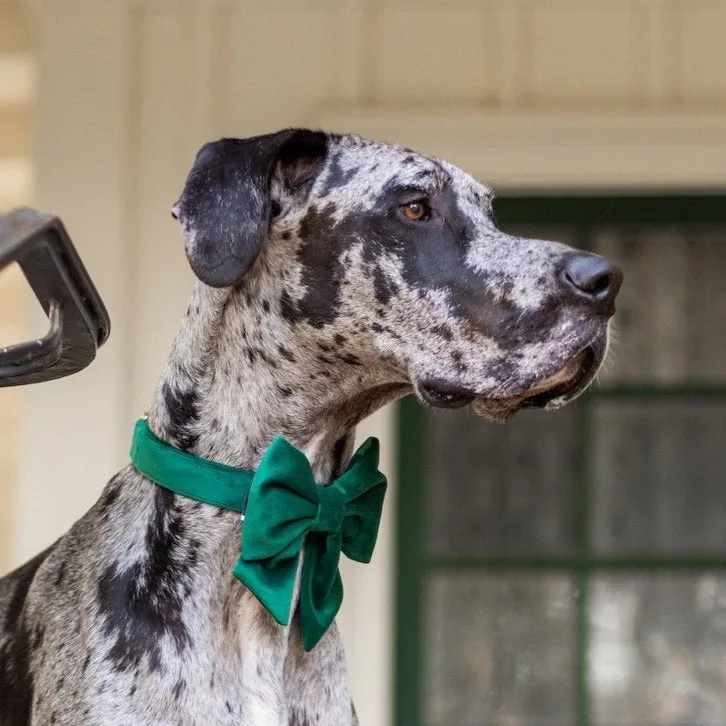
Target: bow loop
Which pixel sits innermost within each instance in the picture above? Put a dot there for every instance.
(284, 500)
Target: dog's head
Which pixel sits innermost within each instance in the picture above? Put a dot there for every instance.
(393, 259)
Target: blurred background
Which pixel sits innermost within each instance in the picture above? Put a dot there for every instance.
(565, 569)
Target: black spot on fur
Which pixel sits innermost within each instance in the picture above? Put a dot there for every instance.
(285, 235)
(457, 356)
(351, 359)
(383, 287)
(60, 576)
(297, 718)
(265, 358)
(178, 689)
(16, 678)
(288, 309)
(110, 495)
(285, 391)
(444, 331)
(321, 266)
(338, 454)
(266, 306)
(339, 339)
(286, 354)
(226, 616)
(182, 409)
(336, 177)
(143, 603)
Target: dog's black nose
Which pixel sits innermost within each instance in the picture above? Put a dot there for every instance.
(594, 279)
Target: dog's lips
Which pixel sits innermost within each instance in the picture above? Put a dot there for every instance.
(441, 394)
(551, 391)
(561, 386)
(566, 377)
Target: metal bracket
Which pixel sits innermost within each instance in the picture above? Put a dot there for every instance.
(79, 322)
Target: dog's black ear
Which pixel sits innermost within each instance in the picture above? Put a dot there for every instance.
(224, 209)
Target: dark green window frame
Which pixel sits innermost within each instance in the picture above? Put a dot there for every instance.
(413, 562)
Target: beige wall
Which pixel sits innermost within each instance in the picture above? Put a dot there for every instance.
(16, 97)
(11, 330)
(522, 92)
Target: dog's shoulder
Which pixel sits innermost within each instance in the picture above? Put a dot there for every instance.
(17, 641)
(14, 589)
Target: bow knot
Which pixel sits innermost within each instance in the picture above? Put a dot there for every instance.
(331, 511)
(290, 517)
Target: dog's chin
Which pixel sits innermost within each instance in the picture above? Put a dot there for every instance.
(551, 392)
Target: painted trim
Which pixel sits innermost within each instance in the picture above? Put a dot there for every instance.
(410, 507)
(536, 150)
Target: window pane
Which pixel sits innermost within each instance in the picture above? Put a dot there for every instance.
(501, 490)
(659, 478)
(658, 650)
(671, 310)
(500, 650)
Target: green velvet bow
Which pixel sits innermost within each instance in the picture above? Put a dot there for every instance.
(285, 514)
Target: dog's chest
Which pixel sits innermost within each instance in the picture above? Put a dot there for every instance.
(252, 686)
(202, 693)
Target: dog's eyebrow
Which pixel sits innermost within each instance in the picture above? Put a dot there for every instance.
(429, 176)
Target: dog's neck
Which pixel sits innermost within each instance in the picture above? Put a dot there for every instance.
(238, 375)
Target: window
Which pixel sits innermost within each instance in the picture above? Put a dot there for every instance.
(569, 568)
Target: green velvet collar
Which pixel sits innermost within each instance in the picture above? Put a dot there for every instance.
(284, 513)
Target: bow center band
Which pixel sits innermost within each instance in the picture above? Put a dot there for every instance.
(331, 511)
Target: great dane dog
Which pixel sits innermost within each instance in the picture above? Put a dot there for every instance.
(336, 274)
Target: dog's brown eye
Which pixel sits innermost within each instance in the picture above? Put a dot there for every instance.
(416, 211)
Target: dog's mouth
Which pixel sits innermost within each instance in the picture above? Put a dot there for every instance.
(553, 391)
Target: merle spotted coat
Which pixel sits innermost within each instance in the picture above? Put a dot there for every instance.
(335, 274)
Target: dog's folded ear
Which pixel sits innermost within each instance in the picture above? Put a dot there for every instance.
(224, 210)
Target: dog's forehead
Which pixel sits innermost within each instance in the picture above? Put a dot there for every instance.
(362, 169)
(468, 189)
